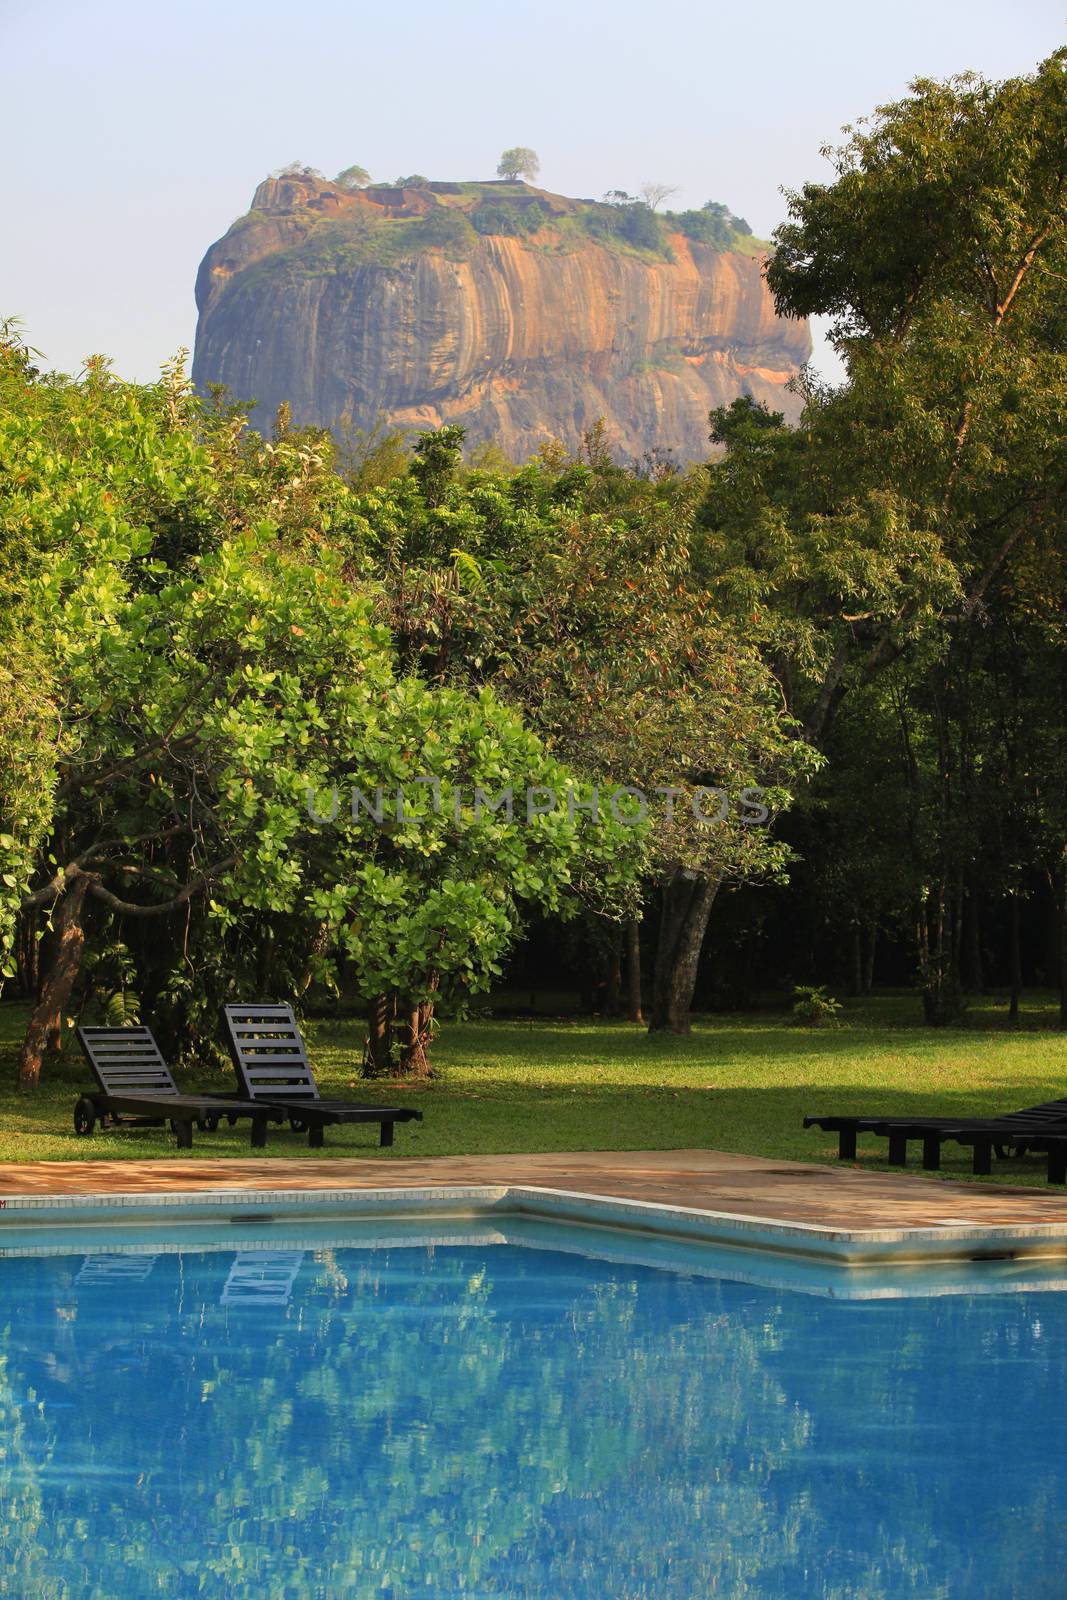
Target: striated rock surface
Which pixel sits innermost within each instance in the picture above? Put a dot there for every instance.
(405, 305)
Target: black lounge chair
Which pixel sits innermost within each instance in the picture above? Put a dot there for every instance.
(273, 1069)
(1034, 1127)
(136, 1090)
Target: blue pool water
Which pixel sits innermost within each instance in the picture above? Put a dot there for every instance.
(519, 1419)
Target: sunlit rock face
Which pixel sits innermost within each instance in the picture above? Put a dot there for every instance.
(388, 305)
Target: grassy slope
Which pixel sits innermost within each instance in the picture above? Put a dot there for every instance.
(738, 1083)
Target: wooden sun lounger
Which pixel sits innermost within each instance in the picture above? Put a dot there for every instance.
(136, 1090)
(1020, 1130)
(272, 1069)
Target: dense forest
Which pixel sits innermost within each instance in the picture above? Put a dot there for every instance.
(800, 708)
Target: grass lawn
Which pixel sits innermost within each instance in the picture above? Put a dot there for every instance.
(739, 1082)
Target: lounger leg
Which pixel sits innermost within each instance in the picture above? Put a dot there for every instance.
(846, 1144)
(932, 1154)
(982, 1162)
(387, 1133)
(259, 1132)
(898, 1149)
(1057, 1164)
(316, 1133)
(183, 1133)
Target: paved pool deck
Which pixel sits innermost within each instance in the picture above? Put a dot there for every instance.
(786, 1192)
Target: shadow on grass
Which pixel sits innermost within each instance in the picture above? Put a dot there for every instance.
(743, 1084)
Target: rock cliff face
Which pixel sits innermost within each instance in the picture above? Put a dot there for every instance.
(406, 305)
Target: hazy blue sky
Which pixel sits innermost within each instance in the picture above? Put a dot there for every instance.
(136, 130)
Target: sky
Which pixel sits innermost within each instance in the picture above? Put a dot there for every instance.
(137, 131)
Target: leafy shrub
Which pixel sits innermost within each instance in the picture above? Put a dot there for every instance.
(514, 221)
(121, 1009)
(631, 220)
(814, 1007)
(713, 224)
(445, 227)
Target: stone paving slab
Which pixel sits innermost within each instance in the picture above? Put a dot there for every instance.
(713, 1180)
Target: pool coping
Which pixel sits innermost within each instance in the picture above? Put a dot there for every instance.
(947, 1241)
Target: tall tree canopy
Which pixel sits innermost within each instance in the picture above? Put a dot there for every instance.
(915, 519)
(203, 659)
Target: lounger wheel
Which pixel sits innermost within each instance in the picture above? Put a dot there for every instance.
(231, 1119)
(298, 1125)
(84, 1116)
(208, 1124)
(1005, 1151)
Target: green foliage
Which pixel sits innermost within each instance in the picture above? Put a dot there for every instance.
(713, 225)
(443, 228)
(120, 1009)
(519, 162)
(344, 244)
(568, 587)
(354, 177)
(299, 169)
(900, 553)
(953, 186)
(632, 221)
(370, 458)
(819, 555)
(510, 220)
(814, 1006)
(334, 245)
(436, 463)
(216, 661)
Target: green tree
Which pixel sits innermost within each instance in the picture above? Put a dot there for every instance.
(568, 588)
(905, 513)
(354, 177)
(518, 162)
(217, 662)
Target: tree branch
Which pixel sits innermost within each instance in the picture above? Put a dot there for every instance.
(128, 908)
(65, 876)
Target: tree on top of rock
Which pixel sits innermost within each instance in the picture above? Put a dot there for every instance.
(519, 162)
(354, 177)
(654, 194)
(298, 169)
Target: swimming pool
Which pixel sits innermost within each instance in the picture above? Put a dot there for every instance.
(534, 1411)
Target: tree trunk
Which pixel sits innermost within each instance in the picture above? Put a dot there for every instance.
(1015, 965)
(46, 1020)
(415, 1036)
(937, 966)
(613, 983)
(974, 977)
(1063, 941)
(957, 934)
(27, 954)
(633, 971)
(856, 951)
(870, 950)
(687, 902)
(379, 1053)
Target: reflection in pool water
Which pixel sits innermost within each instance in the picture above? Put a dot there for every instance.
(420, 1422)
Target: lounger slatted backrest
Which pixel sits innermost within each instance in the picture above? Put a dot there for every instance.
(1052, 1111)
(126, 1061)
(268, 1053)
